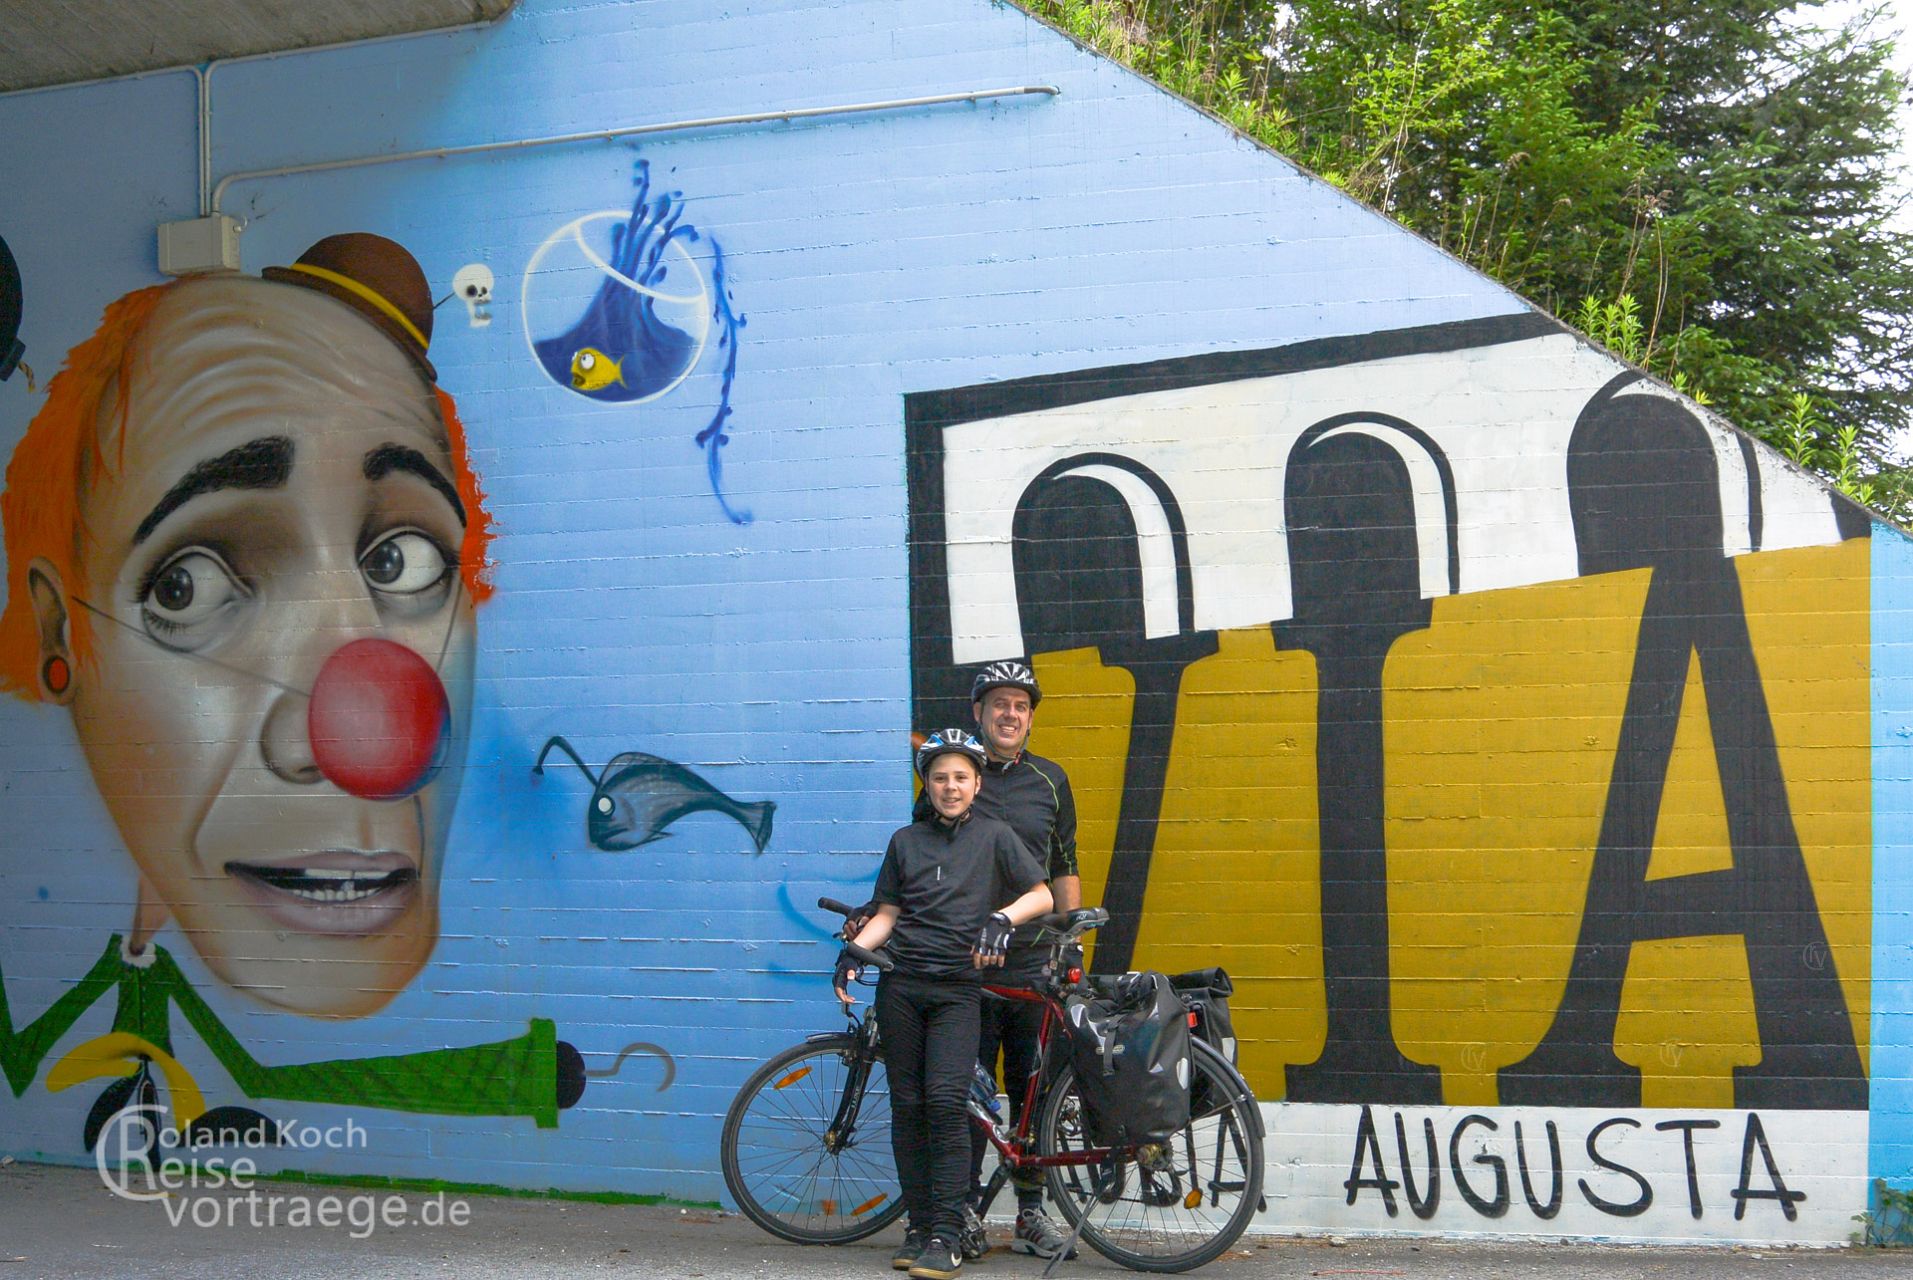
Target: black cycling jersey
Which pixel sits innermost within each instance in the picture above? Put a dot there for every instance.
(1032, 795)
(947, 878)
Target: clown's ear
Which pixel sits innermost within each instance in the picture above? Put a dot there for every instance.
(56, 643)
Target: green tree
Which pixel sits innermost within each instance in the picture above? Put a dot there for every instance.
(1718, 169)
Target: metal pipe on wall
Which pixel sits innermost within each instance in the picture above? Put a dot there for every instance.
(593, 135)
(208, 203)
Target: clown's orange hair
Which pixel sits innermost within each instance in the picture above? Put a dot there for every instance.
(40, 508)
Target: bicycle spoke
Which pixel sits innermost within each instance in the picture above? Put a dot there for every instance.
(818, 1194)
(778, 1159)
(1168, 1208)
(772, 1163)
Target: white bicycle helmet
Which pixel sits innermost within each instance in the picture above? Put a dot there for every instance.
(946, 742)
(1007, 674)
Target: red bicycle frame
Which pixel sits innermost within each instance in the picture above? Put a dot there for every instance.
(1014, 1152)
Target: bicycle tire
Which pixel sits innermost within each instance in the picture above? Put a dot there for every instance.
(777, 1124)
(1220, 1150)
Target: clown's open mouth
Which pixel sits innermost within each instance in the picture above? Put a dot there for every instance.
(341, 892)
(326, 884)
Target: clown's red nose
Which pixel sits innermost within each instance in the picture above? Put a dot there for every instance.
(378, 720)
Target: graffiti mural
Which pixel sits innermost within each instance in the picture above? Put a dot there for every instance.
(636, 797)
(1639, 1174)
(246, 546)
(445, 678)
(658, 308)
(1643, 489)
(1454, 660)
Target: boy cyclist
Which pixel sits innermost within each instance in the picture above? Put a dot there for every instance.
(941, 895)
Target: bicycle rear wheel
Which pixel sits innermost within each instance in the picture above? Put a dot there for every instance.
(784, 1167)
(1172, 1207)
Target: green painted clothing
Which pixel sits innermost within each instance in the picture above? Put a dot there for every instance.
(507, 1078)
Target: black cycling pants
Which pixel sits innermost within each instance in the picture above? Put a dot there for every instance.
(929, 1051)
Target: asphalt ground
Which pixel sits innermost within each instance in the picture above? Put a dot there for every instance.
(60, 1222)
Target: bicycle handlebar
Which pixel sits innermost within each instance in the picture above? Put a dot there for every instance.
(861, 955)
(1070, 925)
(878, 959)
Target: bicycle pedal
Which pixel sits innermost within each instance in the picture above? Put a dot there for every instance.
(973, 1241)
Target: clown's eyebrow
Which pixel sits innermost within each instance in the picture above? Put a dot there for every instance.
(258, 464)
(397, 457)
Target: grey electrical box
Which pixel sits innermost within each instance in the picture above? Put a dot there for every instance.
(200, 246)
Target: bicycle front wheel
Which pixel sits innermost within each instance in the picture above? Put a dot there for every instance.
(1168, 1207)
(786, 1168)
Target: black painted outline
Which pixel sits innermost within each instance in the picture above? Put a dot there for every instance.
(1112, 382)
(1435, 454)
(1171, 509)
(1756, 513)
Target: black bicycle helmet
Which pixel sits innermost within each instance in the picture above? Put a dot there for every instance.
(947, 741)
(1007, 674)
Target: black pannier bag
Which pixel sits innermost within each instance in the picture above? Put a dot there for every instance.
(1130, 1046)
(1206, 994)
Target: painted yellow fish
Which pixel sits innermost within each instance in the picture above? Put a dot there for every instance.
(593, 370)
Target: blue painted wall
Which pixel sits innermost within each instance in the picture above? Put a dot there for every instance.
(1892, 1066)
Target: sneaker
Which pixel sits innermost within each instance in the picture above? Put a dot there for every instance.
(973, 1242)
(940, 1261)
(910, 1250)
(1037, 1234)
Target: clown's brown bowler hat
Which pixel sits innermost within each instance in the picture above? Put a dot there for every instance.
(375, 277)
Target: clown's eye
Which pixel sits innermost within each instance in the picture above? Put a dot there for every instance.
(404, 564)
(186, 595)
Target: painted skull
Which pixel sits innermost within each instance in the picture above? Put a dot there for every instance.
(473, 285)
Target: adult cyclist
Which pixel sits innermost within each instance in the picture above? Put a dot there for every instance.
(1031, 794)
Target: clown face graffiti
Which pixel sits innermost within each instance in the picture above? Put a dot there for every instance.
(279, 687)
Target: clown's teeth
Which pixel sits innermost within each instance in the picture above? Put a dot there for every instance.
(326, 884)
(350, 892)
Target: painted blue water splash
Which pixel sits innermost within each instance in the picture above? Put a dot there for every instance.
(622, 350)
(807, 926)
(714, 437)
